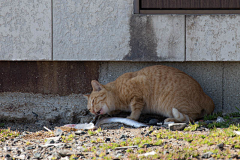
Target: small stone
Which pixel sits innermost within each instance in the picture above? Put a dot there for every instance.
(56, 155)
(200, 129)
(49, 141)
(220, 146)
(147, 154)
(177, 126)
(8, 157)
(119, 155)
(30, 147)
(65, 152)
(220, 120)
(79, 132)
(37, 141)
(58, 132)
(19, 152)
(15, 140)
(126, 147)
(208, 122)
(37, 155)
(107, 140)
(80, 148)
(206, 129)
(237, 132)
(234, 156)
(122, 136)
(20, 157)
(207, 155)
(25, 133)
(52, 140)
(50, 148)
(146, 145)
(153, 121)
(64, 158)
(7, 148)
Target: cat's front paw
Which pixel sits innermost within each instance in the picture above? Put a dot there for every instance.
(132, 118)
(171, 120)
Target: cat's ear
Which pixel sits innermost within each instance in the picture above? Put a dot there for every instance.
(96, 85)
(86, 96)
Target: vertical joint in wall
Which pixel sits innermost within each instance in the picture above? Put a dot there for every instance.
(185, 38)
(223, 81)
(52, 28)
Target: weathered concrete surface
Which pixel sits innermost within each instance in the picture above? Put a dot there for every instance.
(231, 89)
(105, 30)
(156, 38)
(42, 109)
(208, 74)
(218, 79)
(213, 38)
(25, 30)
(59, 78)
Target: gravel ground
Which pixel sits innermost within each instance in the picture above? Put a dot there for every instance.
(118, 141)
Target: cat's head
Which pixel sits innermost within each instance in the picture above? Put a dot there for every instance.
(97, 100)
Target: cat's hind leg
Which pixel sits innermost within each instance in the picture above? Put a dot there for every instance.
(178, 117)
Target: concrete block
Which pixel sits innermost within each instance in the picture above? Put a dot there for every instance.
(231, 89)
(213, 38)
(156, 38)
(106, 30)
(208, 75)
(25, 30)
(42, 109)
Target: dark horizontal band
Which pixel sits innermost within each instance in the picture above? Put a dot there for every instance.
(189, 11)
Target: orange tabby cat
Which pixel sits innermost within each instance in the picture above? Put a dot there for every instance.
(157, 89)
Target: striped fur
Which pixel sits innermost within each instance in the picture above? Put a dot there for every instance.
(157, 89)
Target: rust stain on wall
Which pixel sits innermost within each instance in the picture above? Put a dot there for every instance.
(143, 41)
(62, 78)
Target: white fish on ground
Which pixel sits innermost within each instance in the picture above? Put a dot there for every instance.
(125, 121)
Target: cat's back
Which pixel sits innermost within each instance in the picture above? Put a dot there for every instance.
(155, 75)
(163, 87)
(162, 79)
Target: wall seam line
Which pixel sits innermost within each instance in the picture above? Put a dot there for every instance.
(52, 27)
(185, 39)
(223, 68)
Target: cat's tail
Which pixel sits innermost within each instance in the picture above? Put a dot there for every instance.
(208, 105)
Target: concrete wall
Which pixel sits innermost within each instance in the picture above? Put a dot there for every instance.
(213, 38)
(73, 31)
(107, 30)
(25, 30)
